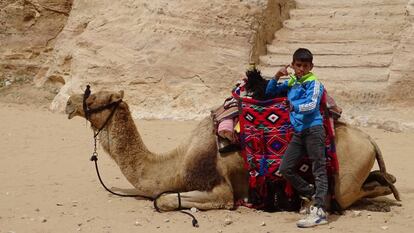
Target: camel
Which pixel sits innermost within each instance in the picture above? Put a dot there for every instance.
(205, 178)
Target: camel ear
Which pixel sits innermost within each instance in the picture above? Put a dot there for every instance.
(117, 96)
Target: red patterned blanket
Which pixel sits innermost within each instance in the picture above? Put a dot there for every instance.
(265, 132)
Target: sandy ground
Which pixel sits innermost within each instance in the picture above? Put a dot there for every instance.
(48, 184)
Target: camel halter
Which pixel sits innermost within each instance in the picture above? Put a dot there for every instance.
(114, 105)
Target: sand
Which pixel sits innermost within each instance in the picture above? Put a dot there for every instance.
(48, 184)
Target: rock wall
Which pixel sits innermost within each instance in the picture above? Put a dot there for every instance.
(177, 59)
(268, 23)
(402, 68)
(28, 29)
(174, 59)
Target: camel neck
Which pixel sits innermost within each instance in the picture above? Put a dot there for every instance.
(122, 140)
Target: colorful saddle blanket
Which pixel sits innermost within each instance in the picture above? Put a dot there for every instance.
(265, 132)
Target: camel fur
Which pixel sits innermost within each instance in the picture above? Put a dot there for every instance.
(207, 179)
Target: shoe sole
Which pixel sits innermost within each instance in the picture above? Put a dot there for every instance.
(322, 222)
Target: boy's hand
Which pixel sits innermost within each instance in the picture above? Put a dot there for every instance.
(282, 72)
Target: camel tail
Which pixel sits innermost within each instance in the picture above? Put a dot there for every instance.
(381, 165)
(379, 157)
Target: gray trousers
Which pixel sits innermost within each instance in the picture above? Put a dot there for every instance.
(310, 141)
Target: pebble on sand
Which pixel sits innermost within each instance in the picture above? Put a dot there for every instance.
(43, 219)
(356, 213)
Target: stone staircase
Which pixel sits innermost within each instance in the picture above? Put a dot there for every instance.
(353, 42)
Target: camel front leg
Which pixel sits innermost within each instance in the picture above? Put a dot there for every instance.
(220, 197)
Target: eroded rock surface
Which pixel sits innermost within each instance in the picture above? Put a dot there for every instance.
(28, 29)
(174, 59)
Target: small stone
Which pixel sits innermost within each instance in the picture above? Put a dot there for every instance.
(167, 220)
(220, 231)
(137, 223)
(384, 227)
(194, 210)
(43, 219)
(228, 221)
(356, 213)
(7, 83)
(79, 229)
(331, 227)
(263, 224)
(37, 210)
(59, 204)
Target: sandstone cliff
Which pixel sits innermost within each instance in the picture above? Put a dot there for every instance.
(174, 59)
(28, 30)
(177, 59)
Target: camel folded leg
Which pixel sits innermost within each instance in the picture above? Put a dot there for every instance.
(382, 178)
(220, 197)
(375, 189)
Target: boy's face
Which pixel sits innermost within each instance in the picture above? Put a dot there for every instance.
(301, 68)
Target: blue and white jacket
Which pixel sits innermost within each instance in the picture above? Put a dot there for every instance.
(304, 96)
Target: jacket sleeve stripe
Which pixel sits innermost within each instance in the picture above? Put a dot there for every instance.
(312, 105)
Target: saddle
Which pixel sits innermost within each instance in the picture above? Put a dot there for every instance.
(225, 118)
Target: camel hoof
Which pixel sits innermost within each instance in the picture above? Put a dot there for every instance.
(166, 202)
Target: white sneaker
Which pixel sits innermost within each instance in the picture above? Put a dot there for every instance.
(317, 216)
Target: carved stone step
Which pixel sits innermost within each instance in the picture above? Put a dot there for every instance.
(331, 35)
(331, 61)
(372, 76)
(310, 4)
(365, 11)
(353, 48)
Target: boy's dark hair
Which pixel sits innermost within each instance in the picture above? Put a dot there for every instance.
(303, 55)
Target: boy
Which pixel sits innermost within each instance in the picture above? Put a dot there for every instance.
(304, 93)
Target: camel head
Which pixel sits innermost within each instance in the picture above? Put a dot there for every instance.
(99, 106)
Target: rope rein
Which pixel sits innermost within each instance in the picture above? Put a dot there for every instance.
(94, 157)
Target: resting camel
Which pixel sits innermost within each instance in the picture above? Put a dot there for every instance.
(205, 178)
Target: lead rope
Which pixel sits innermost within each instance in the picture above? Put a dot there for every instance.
(94, 158)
